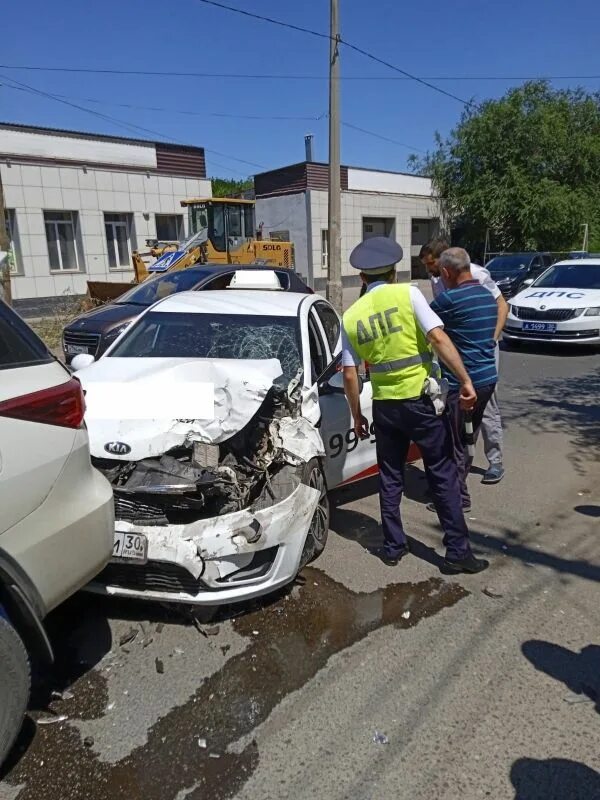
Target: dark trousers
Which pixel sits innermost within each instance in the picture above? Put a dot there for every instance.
(397, 423)
(457, 421)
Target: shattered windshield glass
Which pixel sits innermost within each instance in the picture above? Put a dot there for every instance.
(236, 336)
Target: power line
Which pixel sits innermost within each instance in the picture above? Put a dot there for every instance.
(230, 116)
(171, 110)
(341, 40)
(266, 19)
(379, 136)
(122, 123)
(294, 77)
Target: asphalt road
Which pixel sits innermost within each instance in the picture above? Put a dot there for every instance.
(484, 686)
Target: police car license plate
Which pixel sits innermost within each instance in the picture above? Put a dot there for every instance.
(542, 327)
(130, 547)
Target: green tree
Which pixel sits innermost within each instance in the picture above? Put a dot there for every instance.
(526, 167)
(226, 187)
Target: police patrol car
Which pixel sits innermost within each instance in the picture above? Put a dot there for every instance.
(562, 305)
(220, 420)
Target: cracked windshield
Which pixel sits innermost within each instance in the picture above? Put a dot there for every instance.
(237, 336)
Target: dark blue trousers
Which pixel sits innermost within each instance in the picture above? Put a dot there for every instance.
(397, 423)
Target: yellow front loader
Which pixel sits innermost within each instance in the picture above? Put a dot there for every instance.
(222, 231)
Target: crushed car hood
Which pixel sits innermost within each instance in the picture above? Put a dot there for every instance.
(228, 392)
(556, 298)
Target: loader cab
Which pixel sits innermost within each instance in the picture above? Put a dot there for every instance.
(229, 223)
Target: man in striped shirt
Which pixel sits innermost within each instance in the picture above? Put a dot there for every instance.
(469, 313)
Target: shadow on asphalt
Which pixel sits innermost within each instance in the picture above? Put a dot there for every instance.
(553, 350)
(562, 405)
(588, 511)
(580, 672)
(554, 779)
(364, 529)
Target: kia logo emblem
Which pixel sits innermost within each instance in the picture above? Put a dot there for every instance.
(117, 448)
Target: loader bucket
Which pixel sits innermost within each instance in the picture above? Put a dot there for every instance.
(100, 292)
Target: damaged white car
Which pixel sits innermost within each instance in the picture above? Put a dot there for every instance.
(220, 421)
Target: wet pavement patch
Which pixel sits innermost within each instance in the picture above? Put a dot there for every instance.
(291, 640)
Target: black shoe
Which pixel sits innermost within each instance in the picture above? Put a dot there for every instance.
(466, 508)
(390, 561)
(470, 565)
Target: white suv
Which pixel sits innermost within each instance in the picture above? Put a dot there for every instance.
(56, 518)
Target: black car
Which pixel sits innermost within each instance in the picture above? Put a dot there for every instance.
(512, 269)
(94, 331)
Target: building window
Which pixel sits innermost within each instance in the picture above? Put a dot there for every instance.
(117, 227)
(169, 227)
(378, 226)
(324, 249)
(60, 235)
(15, 264)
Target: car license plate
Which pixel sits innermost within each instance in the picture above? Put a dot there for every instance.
(75, 349)
(130, 547)
(542, 327)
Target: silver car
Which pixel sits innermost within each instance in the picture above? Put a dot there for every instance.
(56, 525)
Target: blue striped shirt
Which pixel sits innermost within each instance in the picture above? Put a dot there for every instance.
(469, 313)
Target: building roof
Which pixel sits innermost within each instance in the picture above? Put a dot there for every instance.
(315, 175)
(17, 126)
(31, 144)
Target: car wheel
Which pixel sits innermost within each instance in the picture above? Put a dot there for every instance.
(316, 538)
(14, 686)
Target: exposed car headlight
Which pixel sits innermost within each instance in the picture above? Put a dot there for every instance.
(592, 312)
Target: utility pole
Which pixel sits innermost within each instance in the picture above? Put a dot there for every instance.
(334, 261)
(5, 246)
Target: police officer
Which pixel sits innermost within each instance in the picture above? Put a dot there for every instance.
(393, 329)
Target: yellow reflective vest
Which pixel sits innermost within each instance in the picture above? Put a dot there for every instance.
(383, 331)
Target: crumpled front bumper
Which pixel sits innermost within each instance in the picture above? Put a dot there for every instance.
(210, 561)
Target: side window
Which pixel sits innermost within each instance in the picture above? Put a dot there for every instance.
(330, 322)
(536, 263)
(220, 282)
(318, 354)
(547, 261)
(19, 346)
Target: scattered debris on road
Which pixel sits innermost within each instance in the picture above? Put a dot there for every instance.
(202, 743)
(160, 667)
(65, 695)
(491, 592)
(51, 720)
(88, 741)
(406, 615)
(380, 738)
(574, 698)
(128, 637)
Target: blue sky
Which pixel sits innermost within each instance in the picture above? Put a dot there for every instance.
(458, 38)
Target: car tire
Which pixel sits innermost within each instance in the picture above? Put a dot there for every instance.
(14, 686)
(316, 538)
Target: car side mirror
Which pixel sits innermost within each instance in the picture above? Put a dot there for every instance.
(528, 281)
(335, 384)
(81, 361)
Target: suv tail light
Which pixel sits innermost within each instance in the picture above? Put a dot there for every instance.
(61, 405)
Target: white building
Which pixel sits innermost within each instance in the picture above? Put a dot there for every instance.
(78, 204)
(292, 204)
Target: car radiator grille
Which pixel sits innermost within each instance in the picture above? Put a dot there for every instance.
(548, 315)
(137, 512)
(155, 576)
(82, 339)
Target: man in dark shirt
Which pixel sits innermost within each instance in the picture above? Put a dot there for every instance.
(469, 313)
